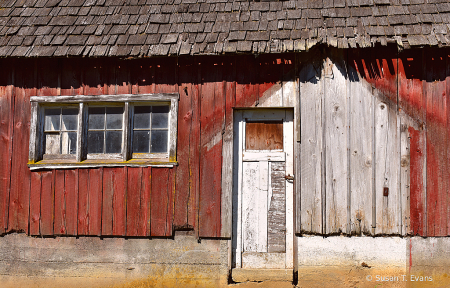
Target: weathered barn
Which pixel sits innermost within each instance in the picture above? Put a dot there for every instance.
(171, 142)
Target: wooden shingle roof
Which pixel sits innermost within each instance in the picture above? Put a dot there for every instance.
(139, 28)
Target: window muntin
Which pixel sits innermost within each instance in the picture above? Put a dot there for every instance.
(103, 128)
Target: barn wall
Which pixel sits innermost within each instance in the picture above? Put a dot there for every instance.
(373, 122)
(126, 201)
(366, 120)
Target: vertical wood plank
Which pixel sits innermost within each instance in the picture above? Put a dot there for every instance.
(47, 203)
(161, 207)
(95, 201)
(6, 140)
(144, 225)
(71, 77)
(185, 117)
(247, 88)
(122, 77)
(25, 86)
(211, 149)
(107, 204)
(194, 152)
(134, 201)
(250, 199)
(35, 203)
(60, 203)
(276, 216)
(119, 201)
(227, 147)
(94, 81)
(436, 120)
(405, 177)
(311, 94)
(361, 140)
(336, 113)
(71, 198)
(83, 202)
(412, 103)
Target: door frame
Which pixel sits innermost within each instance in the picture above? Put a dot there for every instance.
(239, 120)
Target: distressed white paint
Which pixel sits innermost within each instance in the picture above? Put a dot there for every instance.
(254, 186)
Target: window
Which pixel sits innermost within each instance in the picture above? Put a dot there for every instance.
(86, 131)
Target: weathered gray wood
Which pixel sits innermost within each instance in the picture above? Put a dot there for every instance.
(336, 138)
(276, 216)
(386, 167)
(252, 216)
(87, 164)
(263, 156)
(34, 135)
(126, 135)
(405, 177)
(106, 98)
(227, 182)
(361, 162)
(311, 93)
(173, 120)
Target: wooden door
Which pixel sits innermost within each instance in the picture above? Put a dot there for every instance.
(263, 197)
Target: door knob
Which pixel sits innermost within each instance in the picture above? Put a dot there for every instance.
(289, 177)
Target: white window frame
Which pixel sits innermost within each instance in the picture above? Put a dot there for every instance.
(82, 159)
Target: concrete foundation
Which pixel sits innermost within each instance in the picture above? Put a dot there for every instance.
(186, 262)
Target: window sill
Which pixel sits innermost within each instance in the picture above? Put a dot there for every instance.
(94, 163)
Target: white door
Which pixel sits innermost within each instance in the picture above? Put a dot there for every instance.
(263, 195)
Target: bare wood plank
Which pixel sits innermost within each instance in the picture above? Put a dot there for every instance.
(95, 201)
(60, 203)
(134, 191)
(361, 142)
(47, 203)
(263, 156)
(405, 177)
(35, 203)
(119, 201)
(106, 98)
(6, 133)
(227, 148)
(71, 195)
(386, 167)
(311, 93)
(336, 113)
(83, 202)
(276, 216)
(253, 218)
(107, 204)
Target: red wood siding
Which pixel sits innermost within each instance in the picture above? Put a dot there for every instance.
(154, 201)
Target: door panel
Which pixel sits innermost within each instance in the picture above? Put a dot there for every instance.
(261, 214)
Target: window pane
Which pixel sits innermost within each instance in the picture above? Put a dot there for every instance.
(142, 117)
(69, 119)
(52, 119)
(97, 118)
(69, 142)
(160, 117)
(159, 141)
(113, 141)
(95, 141)
(52, 143)
(114, 116)
(141, 141)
